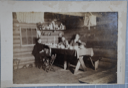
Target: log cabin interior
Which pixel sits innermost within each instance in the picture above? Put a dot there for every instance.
(102, 38)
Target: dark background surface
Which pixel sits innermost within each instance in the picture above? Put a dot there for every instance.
(104, 34)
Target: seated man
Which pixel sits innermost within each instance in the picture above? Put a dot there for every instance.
(63, 42)
(76, 42)
(39, 52)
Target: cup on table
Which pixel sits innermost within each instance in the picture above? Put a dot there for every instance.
(75, 47)
(70, 47)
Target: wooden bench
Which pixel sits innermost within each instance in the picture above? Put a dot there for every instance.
(95, 61)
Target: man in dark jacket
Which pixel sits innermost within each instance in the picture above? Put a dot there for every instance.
(39, 52)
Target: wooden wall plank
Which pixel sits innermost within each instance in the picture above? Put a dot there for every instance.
(16, 45)
(25, 58)
(22, 50)
(16, 34)
(16, 41)
(22, 54)
(28, 62)
(15, 20)
(19, 51)
(15, 27)
(14, 37)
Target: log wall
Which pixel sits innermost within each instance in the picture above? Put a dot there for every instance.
(24, 52)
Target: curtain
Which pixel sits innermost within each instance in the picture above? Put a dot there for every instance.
(30, 17)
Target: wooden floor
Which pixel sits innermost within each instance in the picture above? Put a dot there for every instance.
(35, 75)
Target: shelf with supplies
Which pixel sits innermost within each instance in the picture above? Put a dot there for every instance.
(52, 30)
(51, 33)
(49, 39)
(50, 36)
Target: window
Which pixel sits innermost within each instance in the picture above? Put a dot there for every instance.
(28, 36)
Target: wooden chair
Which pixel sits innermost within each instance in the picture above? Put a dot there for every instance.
(49, 60)
(49, 66)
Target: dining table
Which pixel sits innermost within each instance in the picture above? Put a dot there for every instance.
(78, 53)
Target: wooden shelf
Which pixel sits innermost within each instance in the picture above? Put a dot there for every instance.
(52, 30)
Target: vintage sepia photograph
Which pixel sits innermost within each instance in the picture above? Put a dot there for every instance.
(65, 47)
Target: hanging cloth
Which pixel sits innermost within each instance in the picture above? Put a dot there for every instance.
(86, 20)
(92, 20)
(89, 20)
